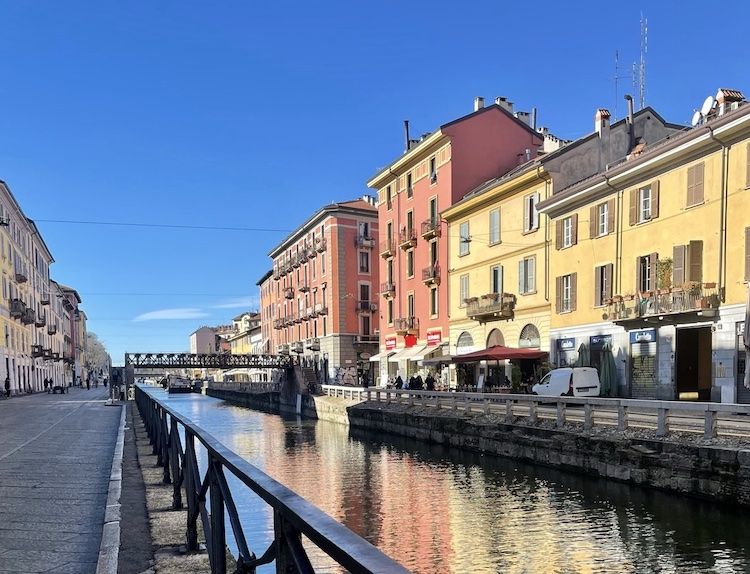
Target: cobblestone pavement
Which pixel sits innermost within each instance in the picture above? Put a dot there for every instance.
(55, 462)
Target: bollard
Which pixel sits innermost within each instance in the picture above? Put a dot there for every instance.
(622, 417)
(560, 414)
(588, 416)
(709, 429)
(662, 422)
(532, 413)
(509, 412)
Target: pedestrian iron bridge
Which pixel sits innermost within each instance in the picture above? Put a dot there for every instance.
(206, 361)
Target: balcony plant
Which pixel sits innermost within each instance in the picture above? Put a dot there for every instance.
(492, 296)
(470, 300)
(664, 274)
(628, 297)
(693, 288)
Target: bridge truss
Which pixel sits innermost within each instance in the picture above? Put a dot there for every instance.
(206, 361)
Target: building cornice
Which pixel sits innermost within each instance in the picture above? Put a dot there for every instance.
(414, 155)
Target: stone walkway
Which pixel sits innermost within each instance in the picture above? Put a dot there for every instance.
(55, 461)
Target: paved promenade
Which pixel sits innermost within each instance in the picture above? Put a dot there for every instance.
(55, 461)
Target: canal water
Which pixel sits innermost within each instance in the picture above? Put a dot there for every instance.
(436, 509)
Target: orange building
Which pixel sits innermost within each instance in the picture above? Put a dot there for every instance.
(433, 173)
(320, 298)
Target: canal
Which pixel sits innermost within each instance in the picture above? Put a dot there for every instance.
(436, 509)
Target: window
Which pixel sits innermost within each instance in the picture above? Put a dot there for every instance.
(409, 189)
(388, 234)
(323, 263)
(433, 210)
(365, 325)
(464, 239)
(526, 275)
(644, 203)
(389, 313)
(364, 229)
(433, 170)
(433, 252)
(496, 279)
(388, 197)
(530, 215)
(410, 263)
(695, 185)
(603, 218)
(409, 223)
(410, 305)
(646, 271)
(364, 292)
(567, 232)
(433, 301)
(389, 270)
(494, 226)
(364, 262)
(602, 284)
(463, 290)
(565, 296)
(687, 263)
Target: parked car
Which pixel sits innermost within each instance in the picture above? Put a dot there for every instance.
(569, 381)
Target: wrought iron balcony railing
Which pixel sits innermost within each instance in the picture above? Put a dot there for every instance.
(407, 237)
(431, 274)
(387, 248)
(431, 228)
(490, 307)
(687, 298)
(406, 325)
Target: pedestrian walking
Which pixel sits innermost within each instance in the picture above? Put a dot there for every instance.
(399, 382)
(88, 385)
(7, 387)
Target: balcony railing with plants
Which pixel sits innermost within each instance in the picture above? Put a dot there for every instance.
(28, 317)
(320, 244)
(17, 308)
(387, 248)
(41, 320)
(366, 306)
(431, 274)
(491, 306)
(406, 325)
(313, 344)
(388, 289)
(289, 293)
(298, 347)
(685, 298)
(365, 242)
(407, 237)
(431, 228)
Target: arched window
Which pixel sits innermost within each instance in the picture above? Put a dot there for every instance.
(465, 343)
(495, 338)
(529, 337)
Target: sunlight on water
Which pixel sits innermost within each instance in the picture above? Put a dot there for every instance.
(442, 510)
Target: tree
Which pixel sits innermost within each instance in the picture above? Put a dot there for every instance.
(97, 356)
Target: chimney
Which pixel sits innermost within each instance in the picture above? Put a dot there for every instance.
(601, 121)
(504, 103)
(525, 117)
(533, 119)
(631, 127)
(406, 136)
(728, 100)
(478, 103)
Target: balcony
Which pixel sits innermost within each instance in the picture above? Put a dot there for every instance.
(51, 329)
(28, 317)
(41, 320)
(407, 238)
(282, 350)
(47, 354)
(366, 340)
(288, 292)
(56, 357)
(387, 248)
(491, 307)
(313, 344)
(37, 351)
(44, 299)
(279, 323)
(431, 274)
(431, 228)
(676, 305)
(303, 288)
(388, 289)
(17, 308)
(406, 326)
(365, 242)
(321, 309)
(21, 276)
(320, 244)
(310, 313)
(311, 252)
(288, 266)
(298, 347)
(302, 255)
(366, 307)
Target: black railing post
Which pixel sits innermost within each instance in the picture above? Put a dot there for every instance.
(191, 489)
(218, 532)
(164, 446)
(174, 458)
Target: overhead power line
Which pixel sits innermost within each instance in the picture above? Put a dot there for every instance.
(164, 225)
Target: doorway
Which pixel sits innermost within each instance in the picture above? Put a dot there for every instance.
(692, 369)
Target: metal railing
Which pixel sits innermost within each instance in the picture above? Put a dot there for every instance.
(711, 419)
(247, 386)
(209, 497)
(495, 305)
(352, 393)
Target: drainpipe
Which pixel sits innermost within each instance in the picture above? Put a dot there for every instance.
(618, 237)
(722, 214)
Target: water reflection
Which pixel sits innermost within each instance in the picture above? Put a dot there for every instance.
(436, 509)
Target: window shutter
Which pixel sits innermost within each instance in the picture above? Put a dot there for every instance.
(531, 273)
(655, 199)
(558, 234)
(611, 216)
(678, 265)
(698, 189)
(638, 278)
(558, 291)
(500, 290)
(520, 277)
(574, 229)
(534, 214)
(573, 287)
(652, 259)
(633, 206)
(695, 256)
(747, 172)
(526, 213)
(690, 186)
(593, 221)
(597, 286)
(608, 275)
(747, 253)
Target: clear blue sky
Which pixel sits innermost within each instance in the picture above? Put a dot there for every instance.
(252, 114)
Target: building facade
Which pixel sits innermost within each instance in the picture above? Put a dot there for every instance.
(321, 296)
(203, 341)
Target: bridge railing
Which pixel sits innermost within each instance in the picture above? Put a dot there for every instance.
(711, 419)
(344, 392)
(247, 386)
(209, 496)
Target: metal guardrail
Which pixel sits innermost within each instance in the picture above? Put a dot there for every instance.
(711, 419)
(293, 515)
(247, 386)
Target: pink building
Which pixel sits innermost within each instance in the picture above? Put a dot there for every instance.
(433, 173)
(320, 300)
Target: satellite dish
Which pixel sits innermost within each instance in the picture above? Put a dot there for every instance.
(696, 119)
(707, 105)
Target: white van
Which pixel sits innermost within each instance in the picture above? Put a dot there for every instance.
(569, 381)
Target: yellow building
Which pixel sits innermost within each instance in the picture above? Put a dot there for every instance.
(498, 288)
(651, 256)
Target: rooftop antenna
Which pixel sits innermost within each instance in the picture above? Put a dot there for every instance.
(617, 79)
(642, 63)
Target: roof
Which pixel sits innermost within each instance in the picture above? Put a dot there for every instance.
(252, 314)
(23, 215)
(265, 277)
(71, 291)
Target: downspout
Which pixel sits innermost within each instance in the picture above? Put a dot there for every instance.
(722, 215)
(618, 238)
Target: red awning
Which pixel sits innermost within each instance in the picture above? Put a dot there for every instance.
(499, 353)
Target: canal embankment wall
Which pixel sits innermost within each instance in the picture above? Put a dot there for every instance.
(685, 465)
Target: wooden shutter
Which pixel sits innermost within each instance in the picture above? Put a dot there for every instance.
(695, 257)
(573, 297)
(747, 254)
(690, 186)
(747, 171)
(608, 269)
(655, 199)
(593, 221)
(678, 265)
(526, 214)
(633, 206)
(531, 275)
(558, 290)
(637, 274)
(652, 259)
(597, 286)
(521, 282)
(695, 193)
(611, 216)
(558, 234)
(574, 229)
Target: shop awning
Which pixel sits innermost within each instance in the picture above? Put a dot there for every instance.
(500, 353)
(408, 353)
(382, 356)
(424, 355)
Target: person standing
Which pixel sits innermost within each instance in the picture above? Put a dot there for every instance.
(7, 386)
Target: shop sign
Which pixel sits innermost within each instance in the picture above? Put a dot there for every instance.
(598, 342)
(434, 337)
(390, 344)
(567, 344)
(643, 336)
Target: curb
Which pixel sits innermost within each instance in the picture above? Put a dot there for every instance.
(109, 549)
